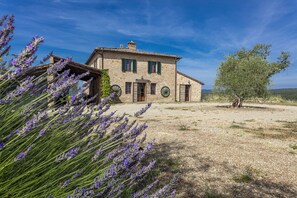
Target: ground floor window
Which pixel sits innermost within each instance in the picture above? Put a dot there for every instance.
(153, 88)
(128, 88)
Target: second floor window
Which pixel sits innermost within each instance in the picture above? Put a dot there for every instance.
(128, 88)
(154, 67)
(129, 65)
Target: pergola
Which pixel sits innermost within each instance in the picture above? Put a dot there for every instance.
(77, 69)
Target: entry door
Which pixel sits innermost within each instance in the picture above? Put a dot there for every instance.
(141, 92)
(187, 93)
(184, 93)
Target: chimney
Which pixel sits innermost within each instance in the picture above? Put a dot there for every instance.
(132, 45)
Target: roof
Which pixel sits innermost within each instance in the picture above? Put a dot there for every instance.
(75, 67)
(198, 81)
(129, 51)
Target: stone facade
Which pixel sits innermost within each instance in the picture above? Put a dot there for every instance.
(194, 86)
(112, 60)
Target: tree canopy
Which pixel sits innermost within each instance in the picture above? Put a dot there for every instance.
(247, 73)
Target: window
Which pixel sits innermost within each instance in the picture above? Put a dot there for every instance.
(95, 63)
(129, 65)
(154, 67)
(153, 88)
(128, 88)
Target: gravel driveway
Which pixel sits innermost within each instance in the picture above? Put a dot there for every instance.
(223, 152)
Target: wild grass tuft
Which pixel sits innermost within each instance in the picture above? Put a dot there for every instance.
(245, 177)
(183, 126)
(294, 147)
(213, 193)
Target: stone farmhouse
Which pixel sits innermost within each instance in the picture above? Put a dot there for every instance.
(138, 76)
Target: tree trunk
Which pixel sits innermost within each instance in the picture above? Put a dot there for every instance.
(237, 103)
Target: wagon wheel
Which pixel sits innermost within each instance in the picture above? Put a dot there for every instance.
(116, 89)
(165, 91)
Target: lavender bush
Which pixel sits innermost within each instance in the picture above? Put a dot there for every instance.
(78, 149)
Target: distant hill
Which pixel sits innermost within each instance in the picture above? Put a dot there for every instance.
(289, 94)
(206, 91)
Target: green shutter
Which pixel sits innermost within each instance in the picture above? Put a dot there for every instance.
(149, 67)
(134, 66)
(123, 65)
(159, 67)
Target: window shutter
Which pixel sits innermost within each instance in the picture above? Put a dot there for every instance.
(134, 66)
(135, 92)
(123, 65)
(149, 67)
(182, 93)
(159, 67)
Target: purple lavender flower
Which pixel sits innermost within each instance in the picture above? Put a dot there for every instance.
(168, 190)
(144, 170)
(41, 132)
(22, 154)
(136, 131)
(24, 87)
(58, 66)
(126, 163)
(46, 58)
(72, 99)
(149, 145)
(2, 145)
(68, 155)
(3, 19)
(32, 123)
(6, 32)
(97, 184)
(72, 153)
(97, 154)
(63, 82)
(25, 58)
(66, 183)
(143, 110)
(112, 171)
(144, 192)
(78, 174)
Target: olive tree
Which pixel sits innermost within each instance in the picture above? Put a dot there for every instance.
(247, 73)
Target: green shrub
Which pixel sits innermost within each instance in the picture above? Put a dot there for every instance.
(105, 83)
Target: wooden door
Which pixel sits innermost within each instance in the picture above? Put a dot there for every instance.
(187, 93)
(141, 92)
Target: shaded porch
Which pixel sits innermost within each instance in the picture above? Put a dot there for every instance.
(77, 69)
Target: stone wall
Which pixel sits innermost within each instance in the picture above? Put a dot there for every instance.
(195, 90)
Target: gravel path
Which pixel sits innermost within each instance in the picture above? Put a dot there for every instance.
(225, 152)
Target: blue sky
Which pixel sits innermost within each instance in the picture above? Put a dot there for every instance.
(203, 32)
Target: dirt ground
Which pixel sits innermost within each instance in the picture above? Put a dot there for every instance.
(224, 152)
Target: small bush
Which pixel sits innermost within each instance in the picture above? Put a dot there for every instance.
(245, 177)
